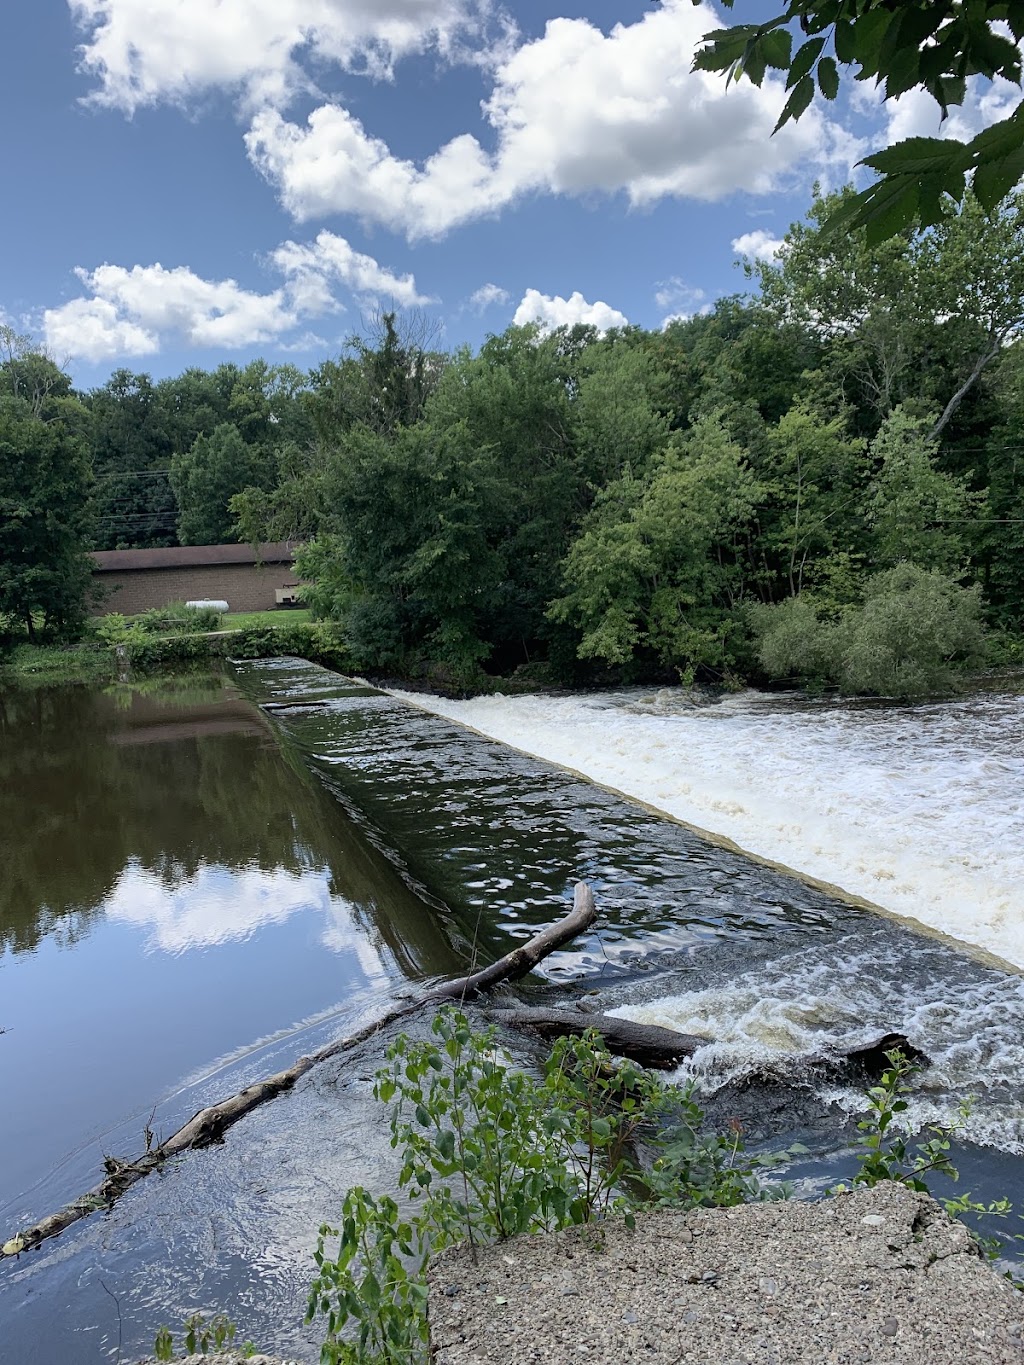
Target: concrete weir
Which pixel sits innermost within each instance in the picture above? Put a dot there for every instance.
(881, 1276)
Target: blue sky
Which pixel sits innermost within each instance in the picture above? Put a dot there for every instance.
(208, 180)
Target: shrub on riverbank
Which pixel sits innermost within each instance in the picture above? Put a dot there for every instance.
(489, 1152)
(177, 618)
(914, 634)
(124, 644)
(321, 642)
(1005, 649)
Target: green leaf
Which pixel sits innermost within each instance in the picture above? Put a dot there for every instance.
(993, 180)
(903, 72)
(828, 78)
(869, 30)
(949, 90)
(776, 48)
(882, 210)
(919, 156)
(752, 65)
(800, 97)
(845, 41)
(991, 54)
(806, 56)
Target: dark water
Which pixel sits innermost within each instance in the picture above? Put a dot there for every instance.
(194, 893)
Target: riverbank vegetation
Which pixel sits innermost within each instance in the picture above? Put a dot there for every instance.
(170, 637)
(821, 482)
(490, 1152)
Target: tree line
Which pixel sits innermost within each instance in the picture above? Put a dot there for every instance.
(821, 480)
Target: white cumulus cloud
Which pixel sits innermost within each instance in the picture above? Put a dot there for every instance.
(488, 296)
(94, 329)
(572, 112)
(758, 245)
(135, 311)
(143, 52)
(311, 269)
(551, 312)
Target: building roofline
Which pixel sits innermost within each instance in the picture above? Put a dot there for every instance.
(191, 556)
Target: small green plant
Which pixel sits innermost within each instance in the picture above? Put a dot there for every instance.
(490, 1152)
(112, 628)
(177, 618)
(889, 1152)
(202, 1338)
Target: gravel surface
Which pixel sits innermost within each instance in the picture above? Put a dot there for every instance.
(880, 1276)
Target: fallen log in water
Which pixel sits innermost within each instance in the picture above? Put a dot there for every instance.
(648, 1044)
(870, 1058)
(210, 1124)
(664, 1048)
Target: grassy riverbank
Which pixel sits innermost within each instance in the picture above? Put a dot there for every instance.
(50, 665)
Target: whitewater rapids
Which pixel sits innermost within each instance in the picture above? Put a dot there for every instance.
(917, 809)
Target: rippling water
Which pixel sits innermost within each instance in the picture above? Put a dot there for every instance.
(917, 809)
(783, 1014)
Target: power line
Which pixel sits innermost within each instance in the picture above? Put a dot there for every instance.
(135, 474)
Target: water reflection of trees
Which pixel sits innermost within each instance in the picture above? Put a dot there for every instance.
(170, 781)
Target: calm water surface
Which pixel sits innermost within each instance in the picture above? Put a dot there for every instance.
(195, 891)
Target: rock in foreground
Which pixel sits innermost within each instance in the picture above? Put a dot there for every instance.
(880, 1276)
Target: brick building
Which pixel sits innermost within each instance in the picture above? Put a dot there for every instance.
(136, 580)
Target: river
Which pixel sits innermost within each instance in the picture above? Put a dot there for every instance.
(197, 890)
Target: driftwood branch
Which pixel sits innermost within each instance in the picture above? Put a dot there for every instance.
(648, 1044)
(209, 1125)
(523, 959)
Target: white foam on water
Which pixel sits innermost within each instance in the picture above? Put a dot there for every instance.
(917, 809)
(827, 1000)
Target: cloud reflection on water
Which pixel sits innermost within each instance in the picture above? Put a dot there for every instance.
(218, 904)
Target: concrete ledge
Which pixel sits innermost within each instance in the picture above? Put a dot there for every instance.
(880, 1276)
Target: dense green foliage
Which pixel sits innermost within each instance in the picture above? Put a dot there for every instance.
(44, 481)
(168, 456)
(932, 45)
(909, 635)
(642, 502)
(821, 482)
